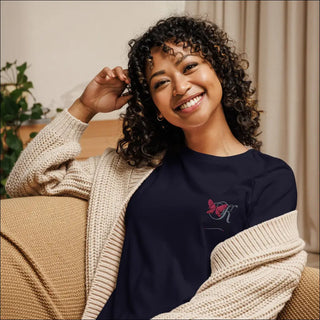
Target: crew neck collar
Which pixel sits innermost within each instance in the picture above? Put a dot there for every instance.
(199, 155)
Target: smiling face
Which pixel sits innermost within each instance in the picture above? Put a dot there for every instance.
(184, 87)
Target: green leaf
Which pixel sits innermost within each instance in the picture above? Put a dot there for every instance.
(33, 134)
(4, 181)
(3, 190)
(23, 104)
(9, 106)
(9, 118)
(16, 94)
(24, 117)
(59, 110)
(14, 111)
(28, 85)
(21, 78)
(8, 66)
(13, 141)
(22, 68)
(36, 111)
(7, 164)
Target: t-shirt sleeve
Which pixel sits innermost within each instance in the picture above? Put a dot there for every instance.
(274, 193)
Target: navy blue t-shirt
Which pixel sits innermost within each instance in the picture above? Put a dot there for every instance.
(188, 205)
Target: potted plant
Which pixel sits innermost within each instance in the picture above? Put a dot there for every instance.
(15, 110)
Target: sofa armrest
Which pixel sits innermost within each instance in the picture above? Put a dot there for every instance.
(304, 303)
(43, 257)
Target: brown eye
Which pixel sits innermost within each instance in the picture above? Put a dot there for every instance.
(159, 83)
(189, 67)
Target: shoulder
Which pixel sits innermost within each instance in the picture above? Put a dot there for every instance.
(272, 174)
(267, 165)
(114, 162)
(273, 179)
(111, 158)
(274, 190)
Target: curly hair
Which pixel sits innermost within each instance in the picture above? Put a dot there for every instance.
(143, 136)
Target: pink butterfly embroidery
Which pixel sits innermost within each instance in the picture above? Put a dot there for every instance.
(213, 208)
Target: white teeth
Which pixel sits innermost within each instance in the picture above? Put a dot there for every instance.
(190, 103)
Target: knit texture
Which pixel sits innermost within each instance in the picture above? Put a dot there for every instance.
(304, 303)
(253, 273)
(43, 258)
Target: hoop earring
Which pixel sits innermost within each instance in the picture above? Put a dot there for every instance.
(159, 119)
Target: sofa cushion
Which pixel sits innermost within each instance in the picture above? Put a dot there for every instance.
(304, 303)
(43, 258)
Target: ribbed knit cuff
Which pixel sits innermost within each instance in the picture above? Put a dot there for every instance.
(66, 125)
(280, 232)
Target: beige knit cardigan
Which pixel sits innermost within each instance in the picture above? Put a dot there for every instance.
(253, 273)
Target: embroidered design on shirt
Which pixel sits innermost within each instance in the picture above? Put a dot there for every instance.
(219, 210)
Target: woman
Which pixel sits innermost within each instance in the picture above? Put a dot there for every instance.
(187, 218)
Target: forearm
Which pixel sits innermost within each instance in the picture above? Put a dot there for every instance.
(253, 274)
(43, 166)
(260, 293)
(81, 111)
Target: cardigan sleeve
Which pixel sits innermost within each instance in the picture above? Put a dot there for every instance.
(253, 274)
(47, 166)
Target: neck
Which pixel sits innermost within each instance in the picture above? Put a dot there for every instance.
(214, 137)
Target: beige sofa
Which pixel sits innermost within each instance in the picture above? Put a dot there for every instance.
(43, 262)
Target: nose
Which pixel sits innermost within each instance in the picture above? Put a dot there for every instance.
(181, 85)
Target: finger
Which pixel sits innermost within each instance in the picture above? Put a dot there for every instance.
(121, 74)
(106, 73)
(121, 101)
(126, 72)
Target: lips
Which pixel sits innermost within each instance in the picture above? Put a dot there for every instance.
(185, 103)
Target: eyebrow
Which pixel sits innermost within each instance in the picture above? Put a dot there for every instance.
(158, 73)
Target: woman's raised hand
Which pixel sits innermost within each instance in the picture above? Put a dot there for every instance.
(104, 93)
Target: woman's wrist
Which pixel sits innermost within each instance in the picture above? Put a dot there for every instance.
(81, 111)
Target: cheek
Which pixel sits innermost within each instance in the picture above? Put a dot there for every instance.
(160, 99)
(218, 89)
(211, 78)
(214, 84)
